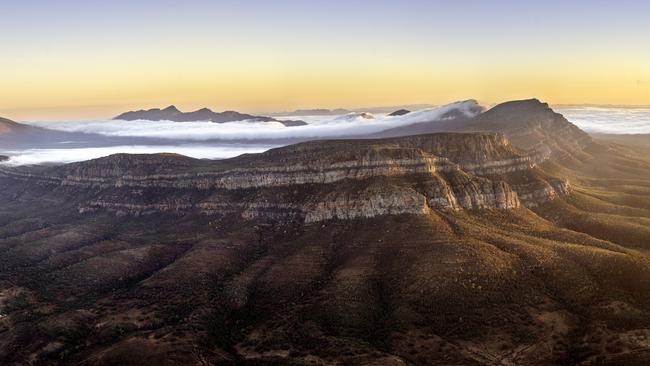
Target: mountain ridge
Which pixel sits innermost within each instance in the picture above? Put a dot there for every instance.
(461, 248)
(456, 170)
(172, 113)
(528, 123)
(8, 126)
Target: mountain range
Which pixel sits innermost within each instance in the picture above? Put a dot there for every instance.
(16, 136)
(341, 111)
(517, 238)
(171, 113)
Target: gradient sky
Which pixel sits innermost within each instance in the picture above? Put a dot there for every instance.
(91, 59)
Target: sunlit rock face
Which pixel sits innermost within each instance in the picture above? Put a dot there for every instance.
(314, 181)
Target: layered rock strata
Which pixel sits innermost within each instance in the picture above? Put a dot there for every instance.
(334, 180)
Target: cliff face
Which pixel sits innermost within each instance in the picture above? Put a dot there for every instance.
(531, 124)
(313, 181)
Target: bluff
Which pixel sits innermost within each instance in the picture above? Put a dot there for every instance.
(445, 248)
(531, 124)
(315, 181)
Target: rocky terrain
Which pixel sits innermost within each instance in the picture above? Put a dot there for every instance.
(533, 124)
(401, 175)
(522, 240)
(172, 113)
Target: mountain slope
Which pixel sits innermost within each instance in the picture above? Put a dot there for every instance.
(532, 124)
(448, 248)
(8, 126)
(14, 135)
(529, 124)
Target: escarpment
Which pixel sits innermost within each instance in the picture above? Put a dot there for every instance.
(313, 181)
(531, 124)
(416, 250)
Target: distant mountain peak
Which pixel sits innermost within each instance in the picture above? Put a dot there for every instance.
(531, 123)
(530, 104)
(171, 108)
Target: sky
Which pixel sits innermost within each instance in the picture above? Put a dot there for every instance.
(94, 59)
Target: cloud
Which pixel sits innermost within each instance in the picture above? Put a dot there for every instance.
(212, 140)
(609, 119)
(331, 127)
(59, 156)
(199, 139)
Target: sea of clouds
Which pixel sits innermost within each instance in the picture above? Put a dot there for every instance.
(317, 127)
(611, 120)
(217, 141)
(207, 140)
(70, 155)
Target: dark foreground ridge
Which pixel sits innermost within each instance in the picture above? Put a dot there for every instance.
(526, 243)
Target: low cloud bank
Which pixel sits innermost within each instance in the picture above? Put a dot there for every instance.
(66, 155)
(334, 126)
(206, 140)
(609, 119)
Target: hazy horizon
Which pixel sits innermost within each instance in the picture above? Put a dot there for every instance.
(208, 140)
(57, 114)
(88, 59)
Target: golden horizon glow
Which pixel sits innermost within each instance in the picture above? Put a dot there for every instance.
(79, 70)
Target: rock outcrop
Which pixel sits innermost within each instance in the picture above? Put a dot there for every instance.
(314, 181)
(399, 112)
